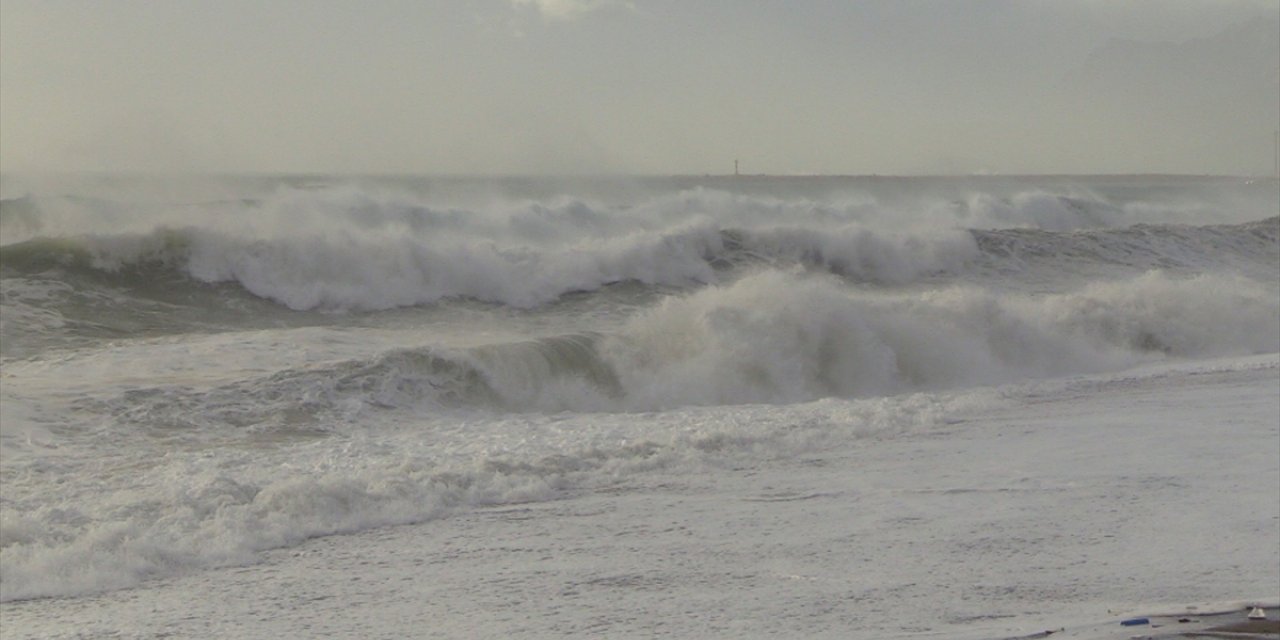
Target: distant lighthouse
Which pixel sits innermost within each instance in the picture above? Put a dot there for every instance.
(735, 166)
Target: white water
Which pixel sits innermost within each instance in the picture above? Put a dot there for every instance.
(977, 514)
(826, 406)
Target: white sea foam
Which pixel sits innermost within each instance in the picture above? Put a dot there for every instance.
(348, 271)
(190, 510)
(779, 338)
(199, 509)
(367, 257)
(165, 409)
(772, 337)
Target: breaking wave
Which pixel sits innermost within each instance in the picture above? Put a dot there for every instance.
(353, 273)
(809, 316)
(769, 338)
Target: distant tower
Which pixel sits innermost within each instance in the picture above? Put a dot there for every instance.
(735, 167)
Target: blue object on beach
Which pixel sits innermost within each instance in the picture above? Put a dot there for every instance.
(1133, 622)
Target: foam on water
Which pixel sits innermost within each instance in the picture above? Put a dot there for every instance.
(154, 516)
(386, 270)
(346, 251)
(128, 518)
(772, 337)
(777, 338)
(187, 385)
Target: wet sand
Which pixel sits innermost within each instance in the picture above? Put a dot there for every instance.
(1189, 624)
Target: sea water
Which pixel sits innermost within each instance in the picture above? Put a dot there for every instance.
(719, 406)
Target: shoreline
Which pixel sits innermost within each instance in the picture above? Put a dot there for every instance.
(1192, 621)
(901, 534)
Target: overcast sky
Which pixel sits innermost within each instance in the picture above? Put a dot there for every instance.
(640, 86)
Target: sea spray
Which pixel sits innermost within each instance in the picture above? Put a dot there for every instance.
(190, 382)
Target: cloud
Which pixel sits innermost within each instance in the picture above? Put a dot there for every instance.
(568, 9)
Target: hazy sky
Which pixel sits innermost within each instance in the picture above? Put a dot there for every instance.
(640, 86)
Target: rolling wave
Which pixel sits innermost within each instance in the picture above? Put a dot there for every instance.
(206, 378)
(1251, 247)
(772, 338)
(372, 273)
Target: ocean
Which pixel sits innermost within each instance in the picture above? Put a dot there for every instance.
(719, 406)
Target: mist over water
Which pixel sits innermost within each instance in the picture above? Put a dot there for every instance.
(218, 369)
(623, 318)
(347, 245)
